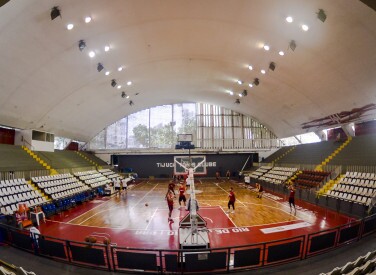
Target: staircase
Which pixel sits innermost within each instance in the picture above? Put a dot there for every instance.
(293, 178)
(336, 151)
(329, 185)
(39, 160)
(281, 156)
(89, 160)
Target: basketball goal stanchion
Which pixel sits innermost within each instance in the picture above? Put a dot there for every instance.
(193, 233)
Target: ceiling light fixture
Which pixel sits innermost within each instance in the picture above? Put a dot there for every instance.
(292, 45)
(92, 54)
(244, 93)
(250, 67)
(107, 73)
(289, 19)
(231, 92)
(87, 19)
(113, 82)
(250, 85)
(281, 53)
(106, 48)
(70, 26)
(263, 71)
(119, 86)
(305, 27)
(272, 66)
(129, 83)
(240, 82)
(256, 81)
(81, 45)
(120, 69)
(266, 47)
(321, 15)
(55, 12)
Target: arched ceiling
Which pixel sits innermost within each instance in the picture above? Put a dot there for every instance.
(183, 51)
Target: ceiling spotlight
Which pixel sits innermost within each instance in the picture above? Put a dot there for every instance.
(87, 19)
(272, 66)
(70, 26)
(107, 73)
(119, 86)
(120, 69)
(305, 27)
(281, 53)
(250, 67)
(244, 93)
(81, 45)
(113, 82)
(256, 81)
(231, 92)
(129, 83)
(100, 67)
(250, 85)
(289, 19)
(292, 45)
(91, 54)
(237, 101)
(266, 47)
(131, 102)
(240, 82)
(263, 71)
(321, 15)
(55, 12)
(106, 48)
(123, 94)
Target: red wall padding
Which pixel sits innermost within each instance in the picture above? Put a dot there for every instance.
(365, 128)
(73, 146)
(7, 136)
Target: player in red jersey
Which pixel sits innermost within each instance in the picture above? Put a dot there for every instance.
(292, 197)
(170, 204)
(171, 186)
(231, 200)
(182, 197)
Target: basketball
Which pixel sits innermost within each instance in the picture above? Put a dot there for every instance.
(146, 204)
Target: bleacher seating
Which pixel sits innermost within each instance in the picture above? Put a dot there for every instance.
(60, 186)
(108, 173)
(14, 158)
(355, 187)
(362, 265)
(93, 178)
(63, 159)
(260, 171)
(13, 192)
(278, 175)
(310, 179)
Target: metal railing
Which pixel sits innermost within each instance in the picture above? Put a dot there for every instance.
(162, 261)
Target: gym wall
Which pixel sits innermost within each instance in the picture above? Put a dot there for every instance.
(161, 166)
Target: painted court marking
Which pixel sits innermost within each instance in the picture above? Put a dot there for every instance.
(284, 227)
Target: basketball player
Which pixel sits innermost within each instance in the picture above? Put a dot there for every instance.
(117, 186)
(292, 197)
(182, 197)
(170, 204)
(260, 190)
(228, 174)
(124, 185)
(231, 200)
(171, 186)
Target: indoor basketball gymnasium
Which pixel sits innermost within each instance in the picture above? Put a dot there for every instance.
(187, 137)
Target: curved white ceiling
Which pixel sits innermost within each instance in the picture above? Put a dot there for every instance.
(183, 51)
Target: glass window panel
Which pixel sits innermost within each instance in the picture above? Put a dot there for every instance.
(138, 129)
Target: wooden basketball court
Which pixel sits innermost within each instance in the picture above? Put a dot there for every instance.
(139, 218)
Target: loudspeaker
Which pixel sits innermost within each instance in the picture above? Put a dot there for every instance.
(114, 159)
